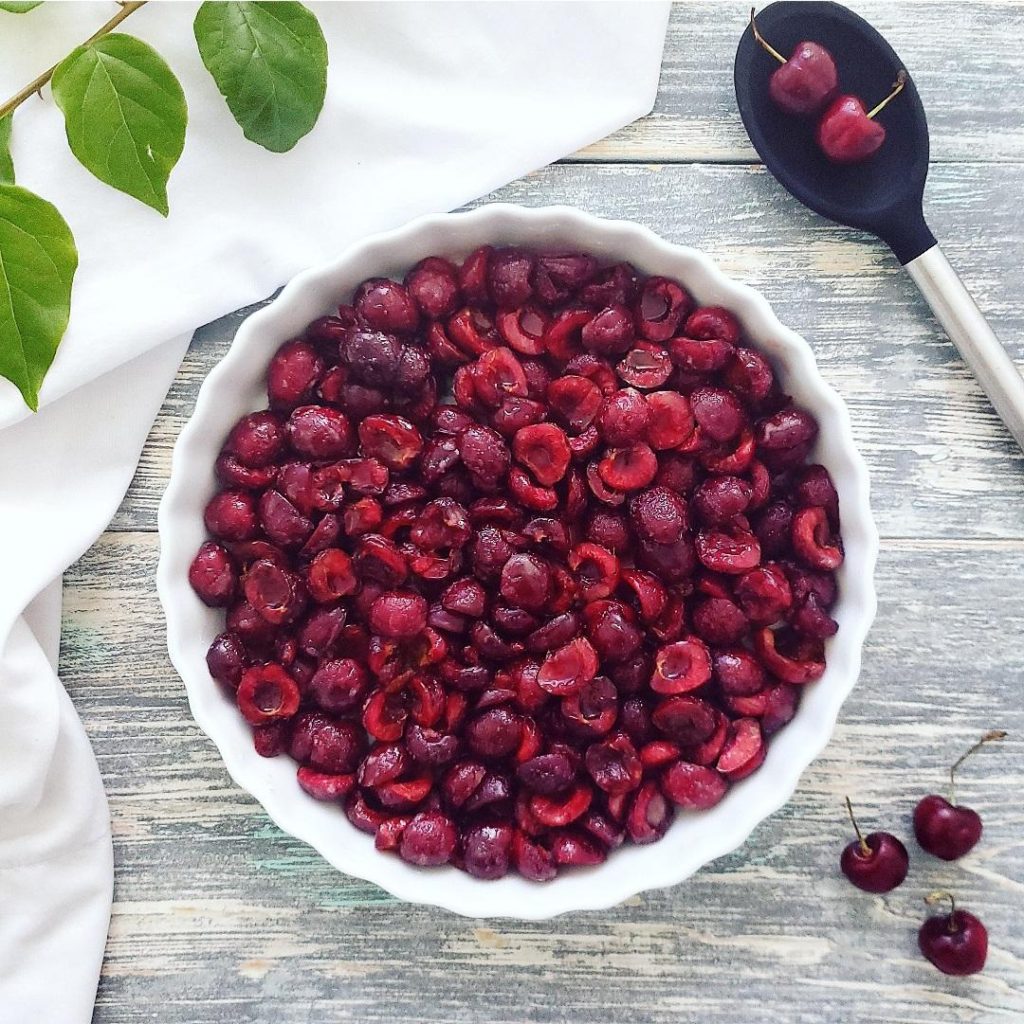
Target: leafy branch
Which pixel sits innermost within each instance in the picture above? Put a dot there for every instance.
(36, 85)
(125, 116)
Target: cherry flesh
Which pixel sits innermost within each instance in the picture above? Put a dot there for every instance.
(957, 942)
(874, 863)
(515, 628)
(943, 828)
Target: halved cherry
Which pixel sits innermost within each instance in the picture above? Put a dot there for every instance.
(527, 493)
(671, 420)
(744, 750)
(330, 576)
(555, 811)
(693, 787)
(649, 815)
(750, 705)
(325, 785)
(391, 439)
(713, 322)
(658, 753)
(472, 331)
(544, 450)
(384, 716)
(575, 399)
(574, 849)
(813, 541)
(734, 457)
(614, 765)
(497, 375)
(524, 329)
(646, 366)
(732, 550)
(706, 753)
(630, 468)
(596, 568)
(661, 306)
(687, 720)
(566, 670)
(405, 794)
(696, 355)
(650, 593)
(793, 670)
(680, 667)
(562, 338)
(266, 693)
(531, 859)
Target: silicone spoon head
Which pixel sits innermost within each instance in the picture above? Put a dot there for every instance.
(883, 194)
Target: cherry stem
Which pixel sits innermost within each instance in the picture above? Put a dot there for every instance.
(937, 897)
(764, 42)
(865, 850)
(36, 85)
(897, 88)
(994, 734)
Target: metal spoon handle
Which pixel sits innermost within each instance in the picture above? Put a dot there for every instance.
(968, 329)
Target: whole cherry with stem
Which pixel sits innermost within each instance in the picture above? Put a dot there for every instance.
(942, 827)
(806, 81)
(875, 863)
(847, 134)
(957, 942)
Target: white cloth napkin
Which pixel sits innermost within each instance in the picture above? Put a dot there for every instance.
(428, 106)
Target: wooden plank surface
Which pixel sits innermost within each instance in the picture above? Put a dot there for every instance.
(958, 53)
(220, 918)
(942, 463)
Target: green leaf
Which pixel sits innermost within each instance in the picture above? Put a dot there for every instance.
(124, 113)
(269, 61)
(6, 163)
(38, 260)
(19, 6)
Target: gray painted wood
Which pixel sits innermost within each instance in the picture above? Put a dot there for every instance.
(220, 918)
(942, 463)
(957, 53)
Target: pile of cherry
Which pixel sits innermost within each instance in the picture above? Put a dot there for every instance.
(807, 85)
(513, 627)
(957, 942)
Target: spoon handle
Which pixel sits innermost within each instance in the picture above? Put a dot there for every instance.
(968, 329)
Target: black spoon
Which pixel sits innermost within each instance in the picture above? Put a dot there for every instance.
(882, 195)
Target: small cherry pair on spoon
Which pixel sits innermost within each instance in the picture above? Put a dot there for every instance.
(808, 83)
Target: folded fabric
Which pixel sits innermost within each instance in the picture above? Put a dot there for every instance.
(428, 106)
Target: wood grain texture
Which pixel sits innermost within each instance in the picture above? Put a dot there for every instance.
(942, 463)
(957, 53)
(219, 918)
(264, 930)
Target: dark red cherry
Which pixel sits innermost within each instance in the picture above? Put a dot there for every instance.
(944, 829)
(847, 133)
(957, 942)
(875, 863)
(806, 82)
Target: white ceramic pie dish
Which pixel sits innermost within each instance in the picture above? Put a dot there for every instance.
(236, 386)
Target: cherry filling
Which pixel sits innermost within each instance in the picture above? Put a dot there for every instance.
(514, 628)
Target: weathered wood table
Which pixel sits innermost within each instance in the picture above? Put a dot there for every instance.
(219, 917)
